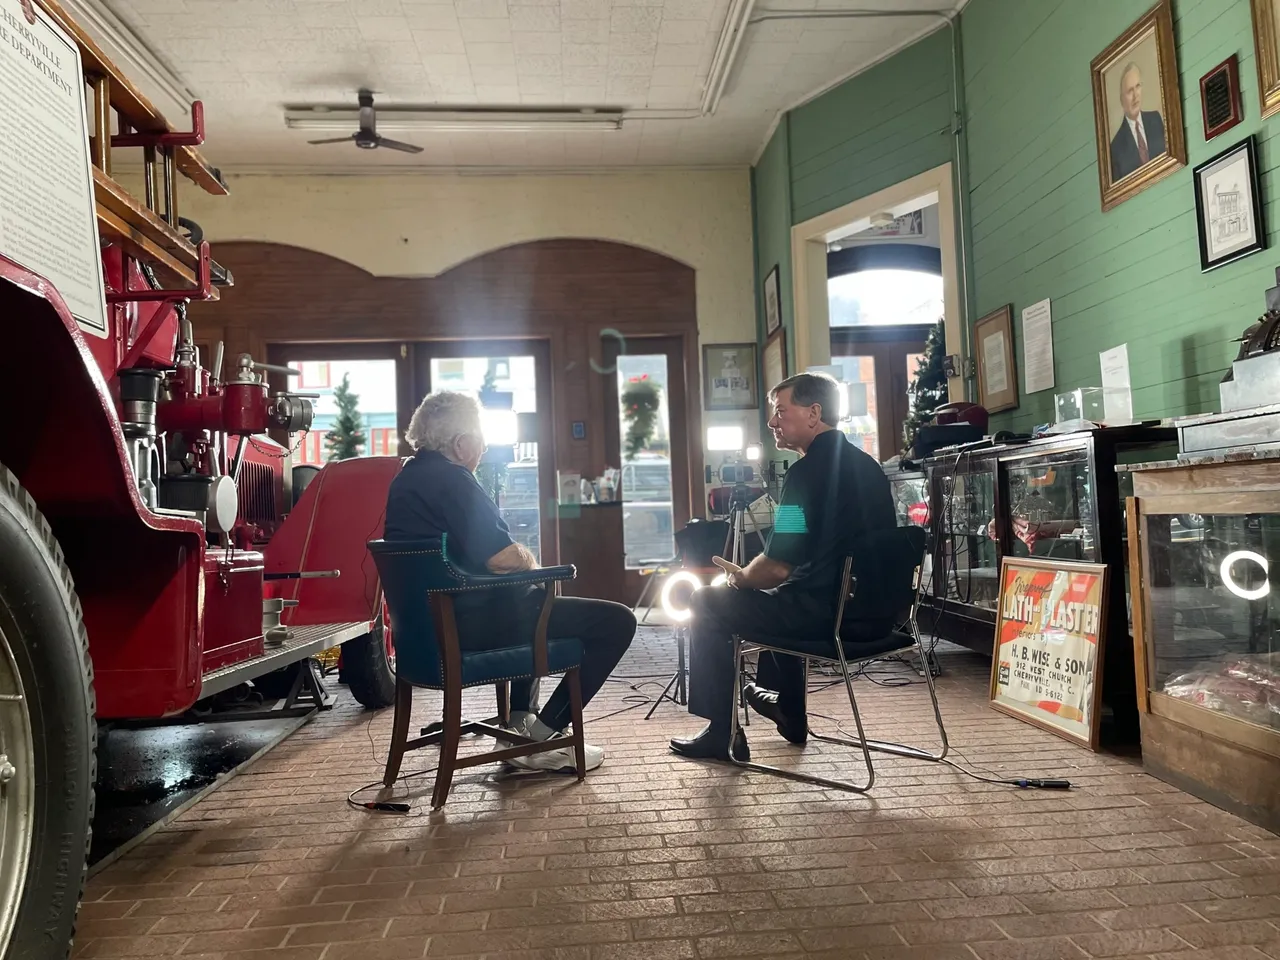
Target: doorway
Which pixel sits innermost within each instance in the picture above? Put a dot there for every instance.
(512, 379)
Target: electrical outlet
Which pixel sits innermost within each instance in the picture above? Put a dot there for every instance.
(971, 369)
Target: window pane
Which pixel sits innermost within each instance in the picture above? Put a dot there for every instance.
(884, 298)
(858, 401)
(507, 387)
(372, 384)
(644, 425)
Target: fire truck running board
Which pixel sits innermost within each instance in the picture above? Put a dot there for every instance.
(303, 642)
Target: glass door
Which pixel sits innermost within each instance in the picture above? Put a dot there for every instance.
(512, 381)
(648, 440)
(878, 367)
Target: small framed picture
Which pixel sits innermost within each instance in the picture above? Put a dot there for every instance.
(993, 343)
(1229, 205)
(729, 372)
(772, 304)
(1137, 108)
(1220, 97)
(775, 360)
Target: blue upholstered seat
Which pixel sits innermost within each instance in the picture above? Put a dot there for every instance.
(412, 573)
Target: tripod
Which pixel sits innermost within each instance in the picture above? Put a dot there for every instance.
(733, 551)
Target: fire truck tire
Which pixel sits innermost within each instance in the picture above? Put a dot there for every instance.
(370, 675)
(44, 645)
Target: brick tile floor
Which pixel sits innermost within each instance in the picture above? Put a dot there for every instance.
(654, 857)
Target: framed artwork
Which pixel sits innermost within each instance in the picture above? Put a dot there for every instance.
(1229, 205)
(772, 307)
(729, 372)
(775, 360)
(1137, 108)
(993, 346)
(1046, 668)
(1266, 30)
(1220, 97)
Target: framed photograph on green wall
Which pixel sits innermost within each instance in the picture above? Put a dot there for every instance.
(1266, 29)
(1137, 108)
(1229, 205)
(772, 303)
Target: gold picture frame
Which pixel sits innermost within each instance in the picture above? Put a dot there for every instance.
(1266, 47)
(993, 350)
(1134, 118)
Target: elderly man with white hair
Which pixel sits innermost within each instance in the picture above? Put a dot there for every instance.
(437, 493)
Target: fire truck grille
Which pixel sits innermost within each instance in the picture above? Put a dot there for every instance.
(257, 494)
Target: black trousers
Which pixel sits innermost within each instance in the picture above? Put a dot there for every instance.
(781, 619)
(606, 630)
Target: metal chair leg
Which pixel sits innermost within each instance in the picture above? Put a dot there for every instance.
(795, 774)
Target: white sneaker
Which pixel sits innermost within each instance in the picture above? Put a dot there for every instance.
(559, 761)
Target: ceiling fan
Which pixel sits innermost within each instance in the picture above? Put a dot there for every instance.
(367, 137)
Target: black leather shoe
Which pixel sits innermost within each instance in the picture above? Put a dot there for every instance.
(709, 746)
(765, 702)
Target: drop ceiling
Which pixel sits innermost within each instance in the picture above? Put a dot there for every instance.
(249, 59)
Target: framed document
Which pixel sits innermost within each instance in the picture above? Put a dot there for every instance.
(772, 304)
(729, 375)
(1046, 668)
(1229, 205)
(775, 360)
(993, 346)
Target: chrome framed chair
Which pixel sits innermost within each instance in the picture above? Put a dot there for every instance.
(419, 582)
(899, 558)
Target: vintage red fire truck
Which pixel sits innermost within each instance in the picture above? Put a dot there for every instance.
(153, 549)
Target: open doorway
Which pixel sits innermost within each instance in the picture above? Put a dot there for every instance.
(884, 294)
(871, 279)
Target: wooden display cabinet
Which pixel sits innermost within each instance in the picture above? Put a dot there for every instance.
(1207, 627)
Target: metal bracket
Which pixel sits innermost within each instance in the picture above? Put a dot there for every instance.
(203, 290)
(167, 138)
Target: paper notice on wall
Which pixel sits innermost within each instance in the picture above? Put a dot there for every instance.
(993, 366)
(1117, 395)
(47, 219)
(1037, 346)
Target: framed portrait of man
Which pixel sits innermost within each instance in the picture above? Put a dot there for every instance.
(1266, 45)
(1137, 108)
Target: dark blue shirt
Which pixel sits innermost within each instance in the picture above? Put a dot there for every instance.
(832, 499)
(432, 497)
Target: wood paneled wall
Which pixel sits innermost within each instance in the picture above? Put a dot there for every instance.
(570, 293)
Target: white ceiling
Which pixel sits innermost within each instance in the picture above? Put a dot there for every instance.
(247, 59)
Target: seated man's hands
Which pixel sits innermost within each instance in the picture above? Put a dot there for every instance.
(733, 572)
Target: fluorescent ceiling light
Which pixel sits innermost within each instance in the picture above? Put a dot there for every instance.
(326, 120)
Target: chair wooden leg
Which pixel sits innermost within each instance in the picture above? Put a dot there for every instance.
(504, 703)
(449, 745)
(575, 711)
(399, 731)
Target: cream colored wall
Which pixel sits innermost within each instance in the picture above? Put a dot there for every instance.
(421, 225)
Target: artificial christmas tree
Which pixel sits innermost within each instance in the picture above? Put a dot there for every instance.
(346, 439)
(928, 390)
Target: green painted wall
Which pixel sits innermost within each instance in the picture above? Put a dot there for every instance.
(1132, 274)
(1037, 229)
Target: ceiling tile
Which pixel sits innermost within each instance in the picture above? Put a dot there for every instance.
(547, 65)
(585, 55)
(439, 41)
(485, 31)
(533, 43)
(691, 9)
(678, 55)
(585, 31)
(499, 95)
(584, 76)
(481, 54)
(584, 9)
(481, 9)
(630, 67)
(431, 16)
(632, 44)
(635, 20)
(543, 19)
(383, 28)
(447, 65)
(682, 31)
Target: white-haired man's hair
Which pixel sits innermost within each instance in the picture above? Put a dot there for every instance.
(441, 418)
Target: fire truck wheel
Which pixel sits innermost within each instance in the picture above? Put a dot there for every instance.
(47, 735)
(370, 674)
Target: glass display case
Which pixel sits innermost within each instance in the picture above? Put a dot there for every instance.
(1209, 628)
(1053, 498)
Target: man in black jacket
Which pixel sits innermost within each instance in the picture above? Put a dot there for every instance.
(1141, 134)
(833, 497)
